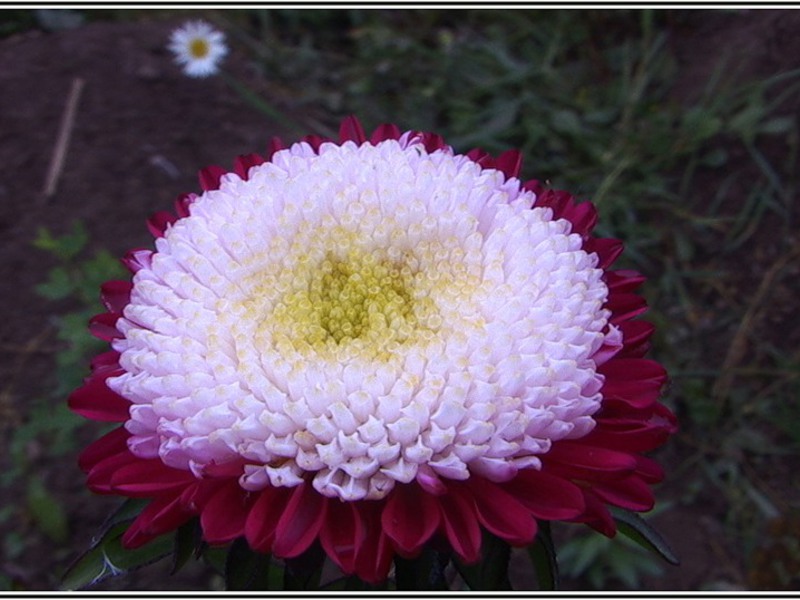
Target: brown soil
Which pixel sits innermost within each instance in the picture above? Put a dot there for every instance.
(141, 131)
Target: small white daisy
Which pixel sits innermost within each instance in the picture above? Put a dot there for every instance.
(198, 48)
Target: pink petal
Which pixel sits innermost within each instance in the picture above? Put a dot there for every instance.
(580, 461)
(481, 157)
(159, 222)
(314, 141)
(138, 258)
(410, 518)
(210, 177)
(501, 514)
(557, 200)
(115, 295)
(374, 553)
(625, 306)
(226, 470)
(635, 381)
(630, 493)
(386, 131)
(148, 478)
(161, 515)
(535, 186)
(300, 522)
(510, 163)
(607, 250)
(635, 338)
(624, 280)
(275, 145)
(260, 525)
(198, 492)
(183, 202)
(224, 515)
(597, 515)
(429, 481)
(629, 436)
(649, 470)
(583, 217)
(432, 141)
(460, 523)
(106, 362)
(114, 442)
(103, 326)
(351, 130)
(244, 162)
(98, 479)
(94, 400)
(341, 534)
(546, 496)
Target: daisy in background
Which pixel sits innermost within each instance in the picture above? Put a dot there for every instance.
(198, 48)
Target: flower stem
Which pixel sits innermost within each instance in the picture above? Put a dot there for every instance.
(425, 572)
(262, 105)
(303, 572)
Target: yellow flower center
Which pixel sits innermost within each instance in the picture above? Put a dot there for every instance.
(362, 296)
(335, 294)
(199, 48)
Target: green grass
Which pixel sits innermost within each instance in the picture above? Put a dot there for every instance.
(49, 424)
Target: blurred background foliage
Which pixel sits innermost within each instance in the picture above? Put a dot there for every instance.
(701, 187)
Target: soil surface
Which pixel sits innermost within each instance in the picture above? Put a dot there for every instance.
(141, 131)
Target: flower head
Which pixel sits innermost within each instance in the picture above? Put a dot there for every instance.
(374, 343)
(198, 48)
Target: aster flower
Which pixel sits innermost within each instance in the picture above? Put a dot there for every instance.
(198, 48)
(376, 344)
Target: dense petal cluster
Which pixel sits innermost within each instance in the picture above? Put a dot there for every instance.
(376, 343)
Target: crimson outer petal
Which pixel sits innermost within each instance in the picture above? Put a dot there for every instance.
(578, 480)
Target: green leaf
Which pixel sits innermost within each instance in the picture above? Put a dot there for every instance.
(44, 240)
(716, 157)
(55, 19)
(348, 583)
(701, 124)
(14, 544)
(602, 116)
(425, 572)
(102, 267)
(59, 284)
(246, 569)
(66, 246)
(71, 244)
(127, 511)
(107, 558)
(777, 125)
(577, 555)
(637, 529)
(491, 571)
(625, 568)
(543, 556)
(746, 122)
(90, 568)
(683, 245)
(303, 572)
(214, 557)
(7, 512)
(125, 560)
(47, 513)
(567, 122)
(187, 543)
